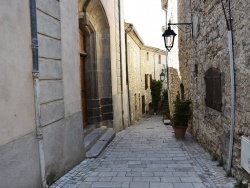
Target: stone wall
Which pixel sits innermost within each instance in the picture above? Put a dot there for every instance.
(209, 48)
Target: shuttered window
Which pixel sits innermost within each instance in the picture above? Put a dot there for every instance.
(213, 89)
(146, 81)
(150, 80)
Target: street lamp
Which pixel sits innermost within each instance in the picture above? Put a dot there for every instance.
(169, 35)
(162, 76)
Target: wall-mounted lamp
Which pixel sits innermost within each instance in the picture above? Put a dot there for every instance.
(169, 35)
(162, 76)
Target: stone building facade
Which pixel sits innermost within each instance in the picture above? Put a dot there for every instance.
(41, 109)
(145, 63)
(206, 53)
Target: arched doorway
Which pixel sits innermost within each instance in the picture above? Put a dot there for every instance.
(83, 55)
(94, 26)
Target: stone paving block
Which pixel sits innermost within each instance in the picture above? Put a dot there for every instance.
(163, 174)
(170, 179)
(199, 185)
(85, 185)
(139, 185)
(161, 185)
(125, 184)
(181, 174)
(132, 174)
(121, 179)
(94, 178)
(183, 185)
(191, 179)
(107, 174)
(147, 174)
(147, 179)
(105, 178)
(106, 184)
(94, 173)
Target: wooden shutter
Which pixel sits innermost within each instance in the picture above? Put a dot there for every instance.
(213, 89)
(150, 81)
(217, 95)
(146, 81)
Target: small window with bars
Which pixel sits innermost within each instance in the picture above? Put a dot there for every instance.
(213, 89)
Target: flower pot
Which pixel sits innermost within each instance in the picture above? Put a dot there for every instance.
(179, 131)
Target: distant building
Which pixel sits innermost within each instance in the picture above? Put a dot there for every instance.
(145, 63)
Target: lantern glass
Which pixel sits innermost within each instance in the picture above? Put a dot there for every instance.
(162, 76)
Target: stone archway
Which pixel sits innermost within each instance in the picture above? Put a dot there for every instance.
(94, 24)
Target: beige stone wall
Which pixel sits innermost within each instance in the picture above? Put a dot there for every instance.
(16, 93)
(209, 48)
(135, 78)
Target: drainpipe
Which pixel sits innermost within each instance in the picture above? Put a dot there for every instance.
(232, 72)
(34, 46)
(120, 43)
(127, 75)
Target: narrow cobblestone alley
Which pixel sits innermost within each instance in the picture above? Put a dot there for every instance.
(148, 156)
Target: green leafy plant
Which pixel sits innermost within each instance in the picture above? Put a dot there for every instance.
(239, 184)
(182, 111)
(156, 93)
(165, 94)
(229, 174)
(220, 162)
(214, 157)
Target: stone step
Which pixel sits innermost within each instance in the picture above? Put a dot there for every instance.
(88, 129)
(101, 144)
(167, 121)
(93, 136)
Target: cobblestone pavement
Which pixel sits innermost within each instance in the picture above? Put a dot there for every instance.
(148, 156)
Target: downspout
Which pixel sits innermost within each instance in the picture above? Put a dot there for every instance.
(120, 43)
(127, 75)
(34, 46)
(232, 72)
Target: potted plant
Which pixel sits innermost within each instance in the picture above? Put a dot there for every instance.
(166, 114)
(182, 114)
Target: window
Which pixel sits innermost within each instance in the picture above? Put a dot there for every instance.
(159, 59)
(150, 76)
(196, 70)
(182, 91)
(213, 89)
(147, 56)
(146, 81)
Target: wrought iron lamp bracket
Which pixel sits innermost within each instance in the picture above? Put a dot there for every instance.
(186, 24)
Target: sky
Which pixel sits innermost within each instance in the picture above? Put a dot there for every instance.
(148, 18)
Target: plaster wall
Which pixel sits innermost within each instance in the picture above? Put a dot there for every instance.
(63, 145)
(70, 56)
(16, 93)
(19, 163)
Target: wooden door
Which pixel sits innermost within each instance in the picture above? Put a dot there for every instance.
(83, 54)
(143, 105)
